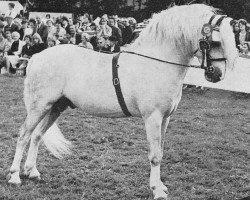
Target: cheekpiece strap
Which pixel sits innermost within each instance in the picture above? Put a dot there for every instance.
(211, 19)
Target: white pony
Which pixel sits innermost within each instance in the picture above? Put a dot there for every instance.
(71, 76)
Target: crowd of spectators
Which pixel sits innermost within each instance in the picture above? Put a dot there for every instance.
(20, 37)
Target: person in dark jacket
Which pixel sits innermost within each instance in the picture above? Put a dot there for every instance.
(242, 38)
(16, 46)
(42, 29)
(114, 47)
(127, 33)
(66, 25)
(26, 54)
(38, 44)
(116, 32)
(27, 51)
(11, 26)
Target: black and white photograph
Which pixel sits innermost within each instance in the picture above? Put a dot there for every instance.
(125, 100)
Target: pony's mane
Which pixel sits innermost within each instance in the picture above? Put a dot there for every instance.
(179, 26)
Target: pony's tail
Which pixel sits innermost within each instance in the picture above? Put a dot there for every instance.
(56, 143)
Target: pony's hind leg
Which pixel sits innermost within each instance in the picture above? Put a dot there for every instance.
(31, 121)
(30, 169)
(156, 125)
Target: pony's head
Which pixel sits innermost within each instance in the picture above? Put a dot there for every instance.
(217, 48)
(175, 33)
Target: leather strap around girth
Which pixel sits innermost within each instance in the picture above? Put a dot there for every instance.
(116, 83)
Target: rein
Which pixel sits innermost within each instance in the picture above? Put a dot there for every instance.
(164, 61)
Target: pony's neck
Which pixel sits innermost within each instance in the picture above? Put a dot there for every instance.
(164, 52)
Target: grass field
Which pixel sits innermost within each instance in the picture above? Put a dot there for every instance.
(206, 156)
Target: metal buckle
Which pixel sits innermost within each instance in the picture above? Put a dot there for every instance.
(116, 81)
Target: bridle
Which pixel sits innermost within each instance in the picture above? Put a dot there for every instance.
(206, 44)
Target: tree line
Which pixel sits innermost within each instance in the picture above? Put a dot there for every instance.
(233, 8)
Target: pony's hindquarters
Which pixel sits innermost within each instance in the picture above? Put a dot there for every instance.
(44, 103)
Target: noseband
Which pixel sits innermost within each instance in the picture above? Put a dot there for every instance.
(205, 45)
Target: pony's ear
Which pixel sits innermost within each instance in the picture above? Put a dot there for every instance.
(233, 22)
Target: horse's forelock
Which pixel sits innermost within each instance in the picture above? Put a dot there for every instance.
(228, 42)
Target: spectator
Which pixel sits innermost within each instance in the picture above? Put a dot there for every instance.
(85, 19)
(11, 12)
(17, 45)
(116, 32)
(3, 50)
(10, 25)
(66, 39)
(24, 25)
(1, 26)
(118, 24)
(47, 16)
(22, 31)
(72, 40)
(236, 28)
(51, 29)
(243, 37)
(105, 30)
(127, 33)
(72, 28)
(77, 26)
(24, 12)
(100, 41)
(51, 42)
(113, 45)
(38, 44)
(3, 42)
(85, 41)
(17, 21)
(27, 51)
(42, 29)
(93, 26)
(14, 52)
(93, 39)
(132, 23)
(9, 40)
(60, 31)
(32, 25)
(105, 16)
(85, 26)
(66, 25)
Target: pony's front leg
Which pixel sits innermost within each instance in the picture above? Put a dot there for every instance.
(155, 127)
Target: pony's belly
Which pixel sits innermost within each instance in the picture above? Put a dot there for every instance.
(101, 105)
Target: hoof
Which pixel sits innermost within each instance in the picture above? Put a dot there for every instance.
(32, 173)
(13, 178)
(160, 195)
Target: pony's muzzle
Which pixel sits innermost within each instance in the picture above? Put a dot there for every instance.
(213, 74)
